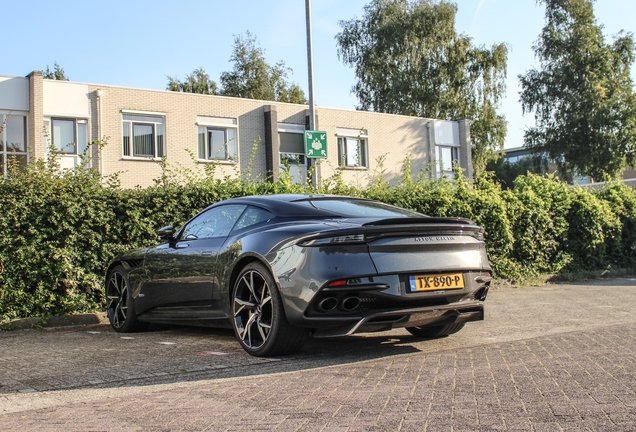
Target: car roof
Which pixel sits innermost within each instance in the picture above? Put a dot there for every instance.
(294, 197)
(286, 205)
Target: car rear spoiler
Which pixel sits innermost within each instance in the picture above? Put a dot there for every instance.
(421, 221)
(422, 226)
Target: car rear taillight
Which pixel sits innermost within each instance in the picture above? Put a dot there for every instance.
(479, 235)
(334, 241)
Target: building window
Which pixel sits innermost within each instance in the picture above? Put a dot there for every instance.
(352, 152)
(13, 141)
(67, 135)
(217, 143)
(292, 152)
(143, 136)
(448, 159)
(217, 138)
(513, 159)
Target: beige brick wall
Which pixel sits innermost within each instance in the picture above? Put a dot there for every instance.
(288, 113)
(390, 136)
(181, 111)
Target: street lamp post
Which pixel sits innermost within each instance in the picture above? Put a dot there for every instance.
(312, 114)
(310, 67)
(315, 174)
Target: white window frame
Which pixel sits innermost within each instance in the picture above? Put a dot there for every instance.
(293, 159)
(78, 124)
(159, 148)
(207, 124)
(362, 138)
(5, 153)
(444, 171)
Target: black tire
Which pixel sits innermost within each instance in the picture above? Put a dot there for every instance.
(433, 332)
(258, 316)
(119, 305)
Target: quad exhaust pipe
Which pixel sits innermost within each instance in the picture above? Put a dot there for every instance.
(327, 304)
(346, 304)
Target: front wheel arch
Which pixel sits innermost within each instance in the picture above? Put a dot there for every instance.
(119, 262)
(120, 308)
(110, 268)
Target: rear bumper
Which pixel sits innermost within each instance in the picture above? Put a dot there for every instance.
(387, 320)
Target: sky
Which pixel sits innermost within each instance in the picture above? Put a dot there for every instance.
(139, 43)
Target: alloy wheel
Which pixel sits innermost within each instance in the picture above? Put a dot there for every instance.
(252, 309)
(117, 299)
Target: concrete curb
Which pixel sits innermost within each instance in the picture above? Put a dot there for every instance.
(593, 275)
(580, 276)
(61, 321)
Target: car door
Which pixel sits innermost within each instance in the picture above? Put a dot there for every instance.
(253, 217)
(182, 272)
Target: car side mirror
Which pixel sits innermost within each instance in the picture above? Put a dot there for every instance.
(165, 233)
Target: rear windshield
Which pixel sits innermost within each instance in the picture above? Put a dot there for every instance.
(360, 208)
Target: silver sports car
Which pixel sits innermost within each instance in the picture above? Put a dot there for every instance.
(278, 268)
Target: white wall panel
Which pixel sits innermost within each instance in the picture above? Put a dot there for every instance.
(14, 93)
(447, 133)
(62, 98)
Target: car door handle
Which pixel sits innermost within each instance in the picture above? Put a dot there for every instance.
(182, 245)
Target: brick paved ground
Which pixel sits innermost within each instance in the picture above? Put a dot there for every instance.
(560, 357)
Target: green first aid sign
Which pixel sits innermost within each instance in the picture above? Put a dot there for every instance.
(316, 144)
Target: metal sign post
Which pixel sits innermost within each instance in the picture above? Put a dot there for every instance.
(316, 144)
(310, 69)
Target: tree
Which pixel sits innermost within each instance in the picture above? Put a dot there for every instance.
(196, 82)
(582, 95)
(253, 78)
(56, 74)
(409, 59)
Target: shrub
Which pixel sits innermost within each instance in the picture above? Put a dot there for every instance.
(59, 230)
(538, 209)
(622, 201)
(594, 232)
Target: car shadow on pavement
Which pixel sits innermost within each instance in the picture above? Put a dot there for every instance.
(67, 358)
(316, 353)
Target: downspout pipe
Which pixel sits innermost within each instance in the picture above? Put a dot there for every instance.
(99, 93)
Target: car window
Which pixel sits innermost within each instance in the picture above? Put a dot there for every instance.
(213, 223)
(359, 208)
(252, 216)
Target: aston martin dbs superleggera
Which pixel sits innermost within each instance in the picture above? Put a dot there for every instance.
(278, 268)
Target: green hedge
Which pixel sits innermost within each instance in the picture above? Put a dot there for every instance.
(59, 230)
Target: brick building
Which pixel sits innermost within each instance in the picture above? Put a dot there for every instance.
(192, 130)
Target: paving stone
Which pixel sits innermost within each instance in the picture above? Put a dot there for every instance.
(528, 367)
